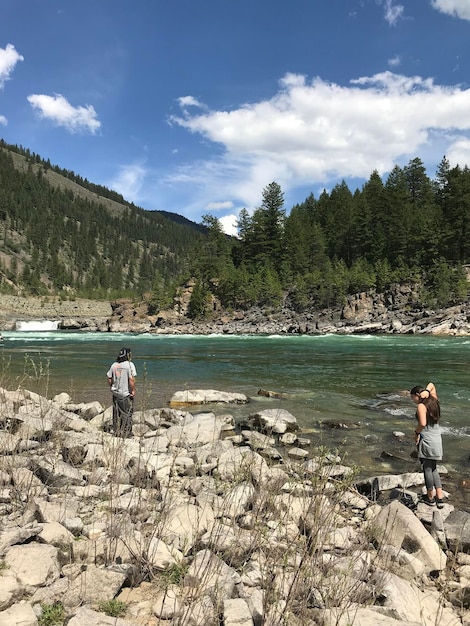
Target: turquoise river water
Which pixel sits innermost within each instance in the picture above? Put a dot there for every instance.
(356, 380)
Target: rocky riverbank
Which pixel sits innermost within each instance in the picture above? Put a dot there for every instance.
(80, 312)
(397, 311)
(193, 522)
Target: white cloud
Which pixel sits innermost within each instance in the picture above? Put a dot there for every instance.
(59, 111)
(189, 101)
(457, 8)
(313, 132)
(319, 130)
(393, 12)
(229, 224)
(9, 57)
(459, 152)
(129, 182)
(394, 61)
(220, 206)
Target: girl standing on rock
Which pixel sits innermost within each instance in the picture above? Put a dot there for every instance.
(428, 438)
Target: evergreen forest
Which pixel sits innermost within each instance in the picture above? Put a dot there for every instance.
(408, 229)
(62, 235)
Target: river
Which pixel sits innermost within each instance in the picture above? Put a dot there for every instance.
(360, 381)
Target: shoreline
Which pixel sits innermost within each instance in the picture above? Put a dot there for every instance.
(366, 313)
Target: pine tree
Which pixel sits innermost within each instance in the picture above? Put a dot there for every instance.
(266, 232)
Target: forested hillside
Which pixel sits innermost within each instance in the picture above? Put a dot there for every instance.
(60, 234)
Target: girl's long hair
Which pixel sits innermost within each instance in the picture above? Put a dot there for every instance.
(433, 408)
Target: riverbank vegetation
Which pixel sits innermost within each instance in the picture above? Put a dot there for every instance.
(62, 235)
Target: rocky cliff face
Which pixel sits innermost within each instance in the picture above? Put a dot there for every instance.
(396, 311)
(79, 312)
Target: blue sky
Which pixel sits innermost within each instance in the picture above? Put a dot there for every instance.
(195, 106)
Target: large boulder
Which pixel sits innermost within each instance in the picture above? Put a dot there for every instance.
(206, 396)
(457, 530)
(208, 574)
(397, 526)
(20, 614)
(184, 524)
(411, 604)
(276, 421)
(198, 430)
(10, 590)
(33, 564)
(93, 585)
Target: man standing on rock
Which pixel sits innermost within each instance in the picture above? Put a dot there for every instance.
(121, 380)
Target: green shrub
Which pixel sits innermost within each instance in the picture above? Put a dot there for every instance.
(51, 614)
(113, 607)
(175, 574)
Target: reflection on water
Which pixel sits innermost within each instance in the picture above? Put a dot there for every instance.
(344, 379)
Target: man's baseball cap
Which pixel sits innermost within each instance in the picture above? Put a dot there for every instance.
(124, 353)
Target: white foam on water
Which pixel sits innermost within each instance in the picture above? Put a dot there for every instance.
(395, 411)
(35, 325)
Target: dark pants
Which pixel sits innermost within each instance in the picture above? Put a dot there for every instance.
(123, 408)
(431, 475)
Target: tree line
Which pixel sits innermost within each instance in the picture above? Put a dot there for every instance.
(406, 229)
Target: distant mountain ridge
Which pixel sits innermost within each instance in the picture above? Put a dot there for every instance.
(66, 179)
(180, 219)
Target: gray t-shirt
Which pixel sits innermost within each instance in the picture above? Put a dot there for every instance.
(120, 374)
